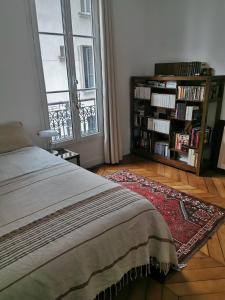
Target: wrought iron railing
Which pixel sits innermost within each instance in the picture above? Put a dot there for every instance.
(60, 119)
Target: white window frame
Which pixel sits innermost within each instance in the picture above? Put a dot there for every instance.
(77, 137)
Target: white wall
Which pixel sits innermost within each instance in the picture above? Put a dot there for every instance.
(19, 92)
(20, 96)
(149, 31)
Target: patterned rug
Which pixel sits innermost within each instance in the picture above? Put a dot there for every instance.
(191, 221)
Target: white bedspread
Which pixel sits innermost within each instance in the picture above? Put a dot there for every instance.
(68, 233)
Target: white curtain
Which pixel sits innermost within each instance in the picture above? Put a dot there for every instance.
(112, 137)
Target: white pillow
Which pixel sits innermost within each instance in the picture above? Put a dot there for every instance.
(13, 137)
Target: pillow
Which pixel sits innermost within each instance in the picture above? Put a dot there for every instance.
(13, 136)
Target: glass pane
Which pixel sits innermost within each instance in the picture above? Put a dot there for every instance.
(49, 16)
(54, 62)
(84, 60)
(81, 17)
(88, 112)
(59, 111)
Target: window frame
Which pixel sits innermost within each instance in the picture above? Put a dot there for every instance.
(68, 38)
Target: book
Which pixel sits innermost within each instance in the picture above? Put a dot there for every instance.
(180, 111)
(192, 158)
(159, 125)
(163, 100)
(181, 141)
(142, 92)
(192, 113)
(162, 148)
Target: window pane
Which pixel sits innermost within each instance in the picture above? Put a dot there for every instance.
(54, 62)
(88, 112)
(81, 17)
(60, 115)
(49, 16)
(84, 60)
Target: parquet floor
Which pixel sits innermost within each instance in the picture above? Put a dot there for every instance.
(204, 276)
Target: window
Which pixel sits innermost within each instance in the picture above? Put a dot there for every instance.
(88, 66)
(70, 53)
(85, 6)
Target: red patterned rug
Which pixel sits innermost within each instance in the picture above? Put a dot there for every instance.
(191, 221)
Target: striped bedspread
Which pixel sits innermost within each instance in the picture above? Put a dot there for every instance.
(66, 233)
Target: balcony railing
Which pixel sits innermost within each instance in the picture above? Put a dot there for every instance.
(60, 119)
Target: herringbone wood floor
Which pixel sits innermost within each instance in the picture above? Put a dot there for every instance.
(204, 276)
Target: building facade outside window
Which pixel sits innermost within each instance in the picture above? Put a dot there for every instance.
(86, 6)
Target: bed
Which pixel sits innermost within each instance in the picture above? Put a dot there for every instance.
(66, 233)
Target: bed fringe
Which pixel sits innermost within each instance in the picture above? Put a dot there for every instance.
(141, 271)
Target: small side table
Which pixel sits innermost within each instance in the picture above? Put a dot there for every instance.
(68, 154)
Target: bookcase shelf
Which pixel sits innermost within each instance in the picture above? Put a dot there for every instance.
(176, 132)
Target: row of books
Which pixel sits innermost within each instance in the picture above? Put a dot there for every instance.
(162, 84)
(142, 140)
(190, 158)
(187, 112)
(181, 68)
(191, 93)
(139, 121)
(162, 148)
(195, 136)
(184, 140)
(163, 100)
(192, 113)
(181, 140)
(142, 92)
(159, 125)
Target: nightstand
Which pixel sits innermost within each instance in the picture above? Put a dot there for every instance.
(68, 154)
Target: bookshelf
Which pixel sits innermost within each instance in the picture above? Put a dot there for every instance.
(173, 119)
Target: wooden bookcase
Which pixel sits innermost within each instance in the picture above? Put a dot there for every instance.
(173, 119)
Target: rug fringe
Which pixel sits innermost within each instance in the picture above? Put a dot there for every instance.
(140, 271)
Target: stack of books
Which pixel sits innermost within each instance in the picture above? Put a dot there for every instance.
(163, 84)
(163, 100)
(159, 125)
(191, 93)
(162, 148)
(142, 92)
(171, 84)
